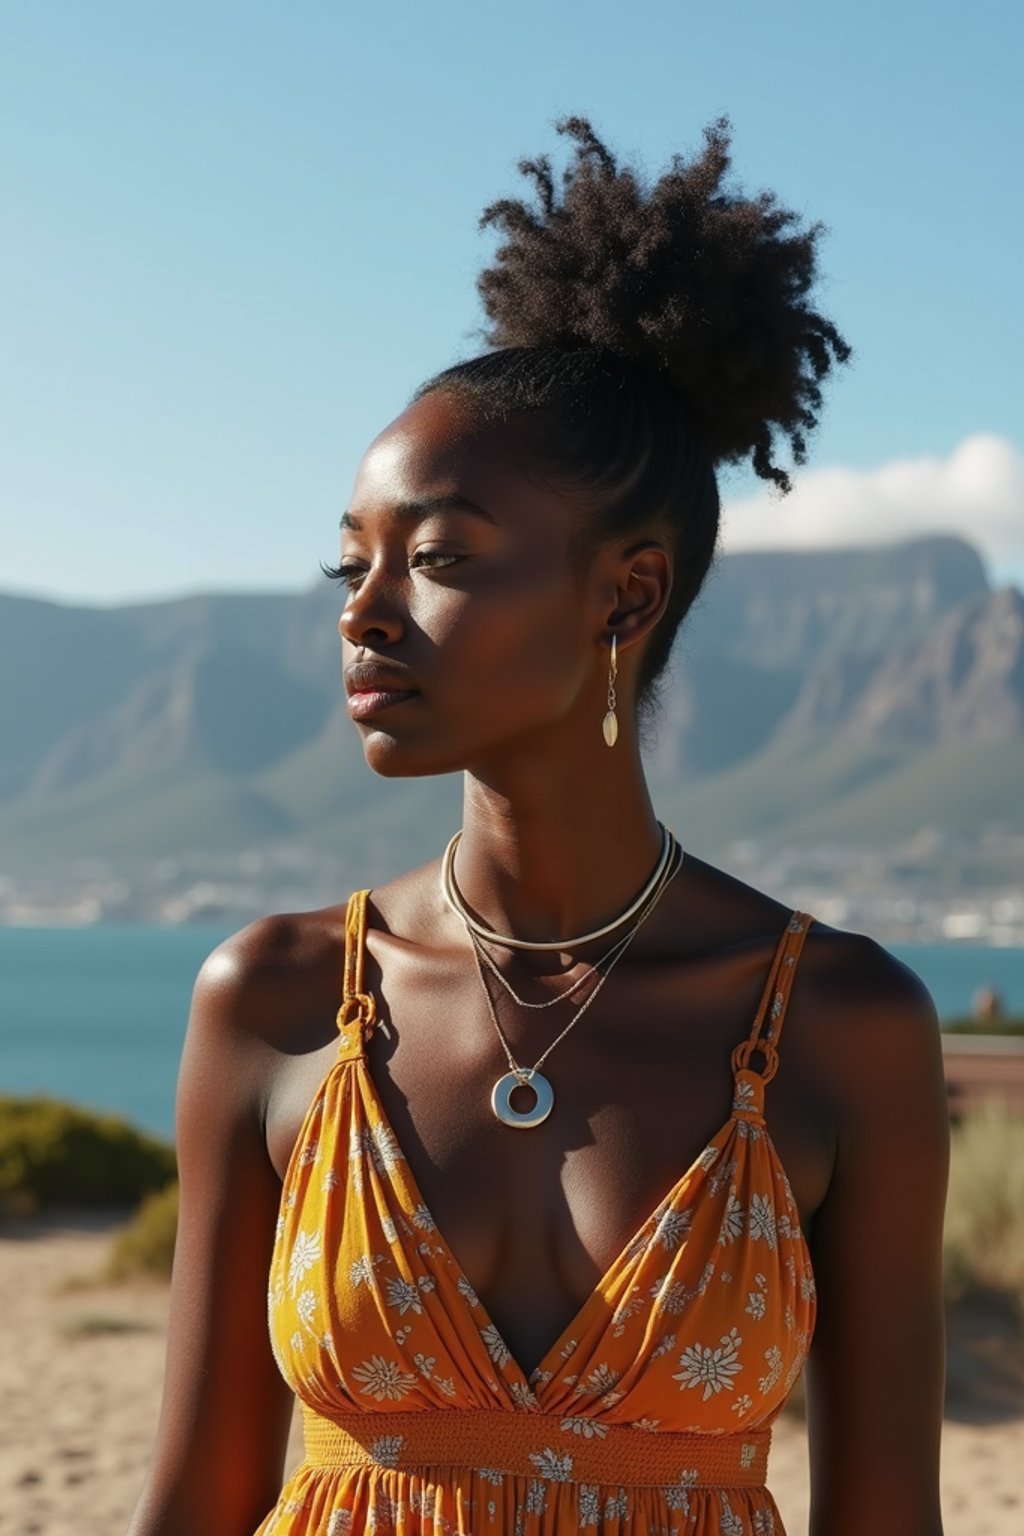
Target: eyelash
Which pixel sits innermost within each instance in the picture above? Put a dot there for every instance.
(344, 575)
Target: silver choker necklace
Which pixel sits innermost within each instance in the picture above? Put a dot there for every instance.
(452, 895)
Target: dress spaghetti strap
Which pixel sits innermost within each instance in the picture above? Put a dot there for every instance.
(357, 1006)
(774, 1001)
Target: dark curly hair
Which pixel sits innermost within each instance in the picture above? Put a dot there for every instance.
(642, 335)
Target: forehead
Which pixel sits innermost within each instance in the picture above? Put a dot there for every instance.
(437, 447)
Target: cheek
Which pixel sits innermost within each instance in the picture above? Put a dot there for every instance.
(515, 648)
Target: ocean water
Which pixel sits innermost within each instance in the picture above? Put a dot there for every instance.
(98, 1015)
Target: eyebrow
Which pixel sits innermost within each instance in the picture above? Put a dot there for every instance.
(418, 511)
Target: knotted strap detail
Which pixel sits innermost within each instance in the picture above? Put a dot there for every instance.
(358, 1012)
(771, 1013)
(748, 1092)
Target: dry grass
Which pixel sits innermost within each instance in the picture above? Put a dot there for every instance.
(984, 1234)
(146, 1245)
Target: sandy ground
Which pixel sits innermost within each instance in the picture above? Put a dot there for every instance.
(80, 1376)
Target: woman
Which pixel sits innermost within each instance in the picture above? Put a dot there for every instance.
(574, 1298)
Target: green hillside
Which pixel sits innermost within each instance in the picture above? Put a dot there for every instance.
(814, 790)
(201, 810)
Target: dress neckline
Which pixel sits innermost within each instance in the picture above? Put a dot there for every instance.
(558, 1349)
(771, 1009)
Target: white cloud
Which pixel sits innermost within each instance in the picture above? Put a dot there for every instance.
(977, 492)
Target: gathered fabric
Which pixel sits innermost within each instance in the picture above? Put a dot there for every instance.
(650, 1415)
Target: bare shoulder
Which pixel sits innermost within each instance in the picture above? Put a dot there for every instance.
(259, 980)
(850, 993)
(862, 1015)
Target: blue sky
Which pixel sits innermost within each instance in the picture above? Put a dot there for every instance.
(236, 236)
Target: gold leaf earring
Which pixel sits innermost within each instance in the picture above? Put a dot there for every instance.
(610, 725)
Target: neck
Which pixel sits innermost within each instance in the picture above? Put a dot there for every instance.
(558, 847)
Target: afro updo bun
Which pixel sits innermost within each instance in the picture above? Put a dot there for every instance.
(706, 288)
(651, 332)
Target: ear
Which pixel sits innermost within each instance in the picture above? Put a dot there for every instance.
(643, 581)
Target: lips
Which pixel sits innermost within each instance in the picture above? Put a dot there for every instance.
(370, 701)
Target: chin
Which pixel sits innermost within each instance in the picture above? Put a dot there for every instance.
(390, 758)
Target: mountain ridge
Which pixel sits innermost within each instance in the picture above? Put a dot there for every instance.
(220, 718)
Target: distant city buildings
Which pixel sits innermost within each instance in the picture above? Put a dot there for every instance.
(934, 888)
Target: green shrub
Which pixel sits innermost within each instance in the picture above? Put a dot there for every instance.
(972, 1026)
(984, 1232)
(146, 1245)
(52, 1153)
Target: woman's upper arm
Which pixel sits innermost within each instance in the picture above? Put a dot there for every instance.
(875, 1380)
(219, 1454)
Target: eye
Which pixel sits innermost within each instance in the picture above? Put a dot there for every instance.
(344, 575)
(434, 558)
(350, 576)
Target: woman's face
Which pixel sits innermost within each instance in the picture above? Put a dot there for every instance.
(468, 632)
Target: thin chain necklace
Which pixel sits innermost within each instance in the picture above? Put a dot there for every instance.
(560, 996)
(453, 896)
(518, 1076)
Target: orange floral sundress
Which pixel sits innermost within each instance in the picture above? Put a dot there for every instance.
(651, 1414)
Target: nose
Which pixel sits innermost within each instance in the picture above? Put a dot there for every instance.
(369, 616)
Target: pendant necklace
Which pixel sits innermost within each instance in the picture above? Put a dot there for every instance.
(518, 1076)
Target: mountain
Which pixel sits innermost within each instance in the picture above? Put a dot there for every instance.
(859, 693)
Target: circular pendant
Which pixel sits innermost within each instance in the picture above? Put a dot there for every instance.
(501, 1095)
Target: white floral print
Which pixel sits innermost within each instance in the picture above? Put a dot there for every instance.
(589, 1504)
(677, 1496)
(708, 1367)
(670, 1295)
(383, 1378)
(729, 1522)
(579, 1424)
(724, 1171)
(773, 1355)
(361, 1270)
(536, 1497)
(732, 1221)
(616, 1506)
(386, 1449)
(672, 1228)
(403, 1296)
(305, 1253)
(762, 1220)
(495, 1345)
(744, 1098)
(756, 1304)
(466, 1290)
(601, 1379)
(550, 1464)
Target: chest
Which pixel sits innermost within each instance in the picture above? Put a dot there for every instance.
(536, 1217)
